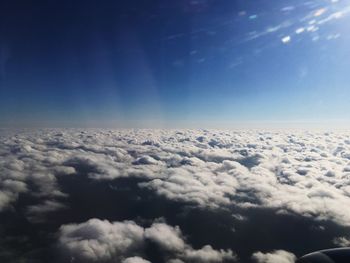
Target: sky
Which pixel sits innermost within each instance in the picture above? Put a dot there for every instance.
(174, 63)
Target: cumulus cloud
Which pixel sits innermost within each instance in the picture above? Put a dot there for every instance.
(277, 256)
(166, 237)
(171, 239)
(100, 240)
(341, 241)
(208, 254)
(29, 166)
(135, 260)
(303, 173)
(10, 189)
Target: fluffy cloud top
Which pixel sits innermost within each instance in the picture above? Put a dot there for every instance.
(303, 173)
(166, 237)
(278, 256)
(135, 260)
(100, 240)
(103, 241)
(341, 241)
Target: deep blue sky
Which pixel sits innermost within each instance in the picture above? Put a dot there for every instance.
(173, 63)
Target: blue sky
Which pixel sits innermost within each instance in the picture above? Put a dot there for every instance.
(174, 63)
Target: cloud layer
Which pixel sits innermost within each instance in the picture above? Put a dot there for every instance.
(303, 174)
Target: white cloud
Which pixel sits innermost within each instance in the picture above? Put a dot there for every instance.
(304, 173)
(277, 256)
(166, 237)
(100, 240)
(341, 241)
(9, 191)
(208, 254)
(135, 260)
